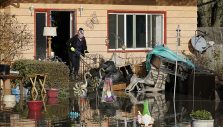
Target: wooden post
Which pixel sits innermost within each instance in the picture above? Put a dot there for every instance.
(49, 44)
(7, 87)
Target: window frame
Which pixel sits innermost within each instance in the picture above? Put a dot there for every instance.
(146, 13)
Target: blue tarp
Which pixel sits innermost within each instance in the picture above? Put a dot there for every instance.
(168, 54)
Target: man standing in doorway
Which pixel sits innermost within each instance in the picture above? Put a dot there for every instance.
(76, 47)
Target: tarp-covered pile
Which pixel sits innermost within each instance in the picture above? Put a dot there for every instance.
(168, 55)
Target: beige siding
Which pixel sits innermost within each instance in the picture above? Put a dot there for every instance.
(182, 14)
(180, 20)
(185, 17)
(5, 10)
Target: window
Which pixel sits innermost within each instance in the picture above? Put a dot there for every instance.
(135, 31)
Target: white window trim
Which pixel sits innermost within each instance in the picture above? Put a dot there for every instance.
(134, 32)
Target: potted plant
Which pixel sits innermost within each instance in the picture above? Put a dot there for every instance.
(34, 104)
(36, 115)
(202, 118)
(52, 91)
(52, 94)
(35, 108)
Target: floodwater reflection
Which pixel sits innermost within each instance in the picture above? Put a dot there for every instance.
(90, 111)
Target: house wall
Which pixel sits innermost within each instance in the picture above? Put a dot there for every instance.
(184, 16)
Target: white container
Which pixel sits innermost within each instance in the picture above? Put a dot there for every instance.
(203, 123)
(9, 101)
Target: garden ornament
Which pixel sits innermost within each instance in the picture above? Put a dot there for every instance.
(74, 115)
(99, 81)
(80, 88)
(145, 118)
(100, 75)
(107, 95)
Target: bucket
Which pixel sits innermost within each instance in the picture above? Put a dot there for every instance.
(35, 105)
(35, 115)
(9, 101)
(52, 93)
(52, 100)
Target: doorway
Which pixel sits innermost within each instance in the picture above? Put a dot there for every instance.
(64, 22)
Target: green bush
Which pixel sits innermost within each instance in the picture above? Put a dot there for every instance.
(58, 73)
(201, 115)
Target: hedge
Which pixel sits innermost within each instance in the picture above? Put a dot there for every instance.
(58, 73)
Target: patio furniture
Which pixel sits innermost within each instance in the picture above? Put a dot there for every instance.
(165, 59)
(42, 81)
(158, 83)
(153, 82)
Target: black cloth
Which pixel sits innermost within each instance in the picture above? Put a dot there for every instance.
(74, 56)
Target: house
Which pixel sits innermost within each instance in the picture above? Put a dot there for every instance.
(130, 26)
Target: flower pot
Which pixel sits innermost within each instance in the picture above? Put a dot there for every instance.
(35, 105)
(52, 100)
(4, 69)
(202, 123)
(52, 93)
(36, 115)
(9, 101)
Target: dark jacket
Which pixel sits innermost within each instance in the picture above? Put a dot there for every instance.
(73, 41)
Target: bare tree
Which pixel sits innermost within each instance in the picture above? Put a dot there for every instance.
(210, 13)
(14, 37)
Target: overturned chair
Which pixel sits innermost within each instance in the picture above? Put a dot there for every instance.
(153, 82)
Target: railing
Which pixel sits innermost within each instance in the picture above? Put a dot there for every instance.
(88, 62)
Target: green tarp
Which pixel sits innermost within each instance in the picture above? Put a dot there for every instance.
(168, 54)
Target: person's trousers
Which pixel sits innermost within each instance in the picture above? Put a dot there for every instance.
(74, 63)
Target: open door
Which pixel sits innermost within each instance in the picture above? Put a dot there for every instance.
(64, 21)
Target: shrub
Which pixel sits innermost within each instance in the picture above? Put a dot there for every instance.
(58, 73)
(201, 115)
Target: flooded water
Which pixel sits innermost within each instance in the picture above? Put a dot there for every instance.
(90, 111)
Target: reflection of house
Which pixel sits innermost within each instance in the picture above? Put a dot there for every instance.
(135, 25)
